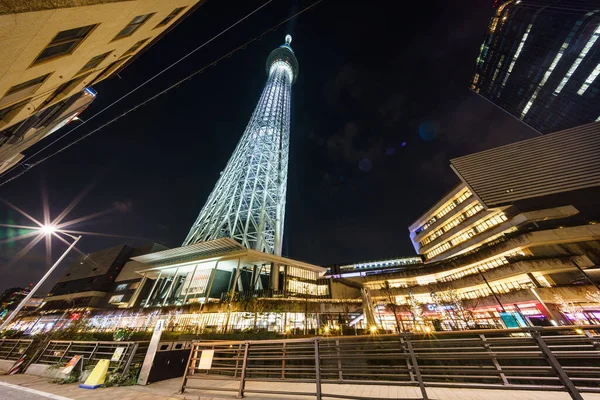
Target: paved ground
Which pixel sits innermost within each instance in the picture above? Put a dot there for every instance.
(205, 390)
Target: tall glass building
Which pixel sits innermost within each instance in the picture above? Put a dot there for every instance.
(540, 61)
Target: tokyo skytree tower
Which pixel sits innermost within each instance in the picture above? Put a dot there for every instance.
(248, 201)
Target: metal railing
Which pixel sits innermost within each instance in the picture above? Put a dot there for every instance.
(61, 351)
(553, 358)
(13, 349)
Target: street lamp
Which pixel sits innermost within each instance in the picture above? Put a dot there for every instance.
(46, 230)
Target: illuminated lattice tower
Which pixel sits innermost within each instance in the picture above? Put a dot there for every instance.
(248, 201)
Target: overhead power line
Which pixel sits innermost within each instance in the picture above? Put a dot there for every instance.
(22, 163)
(177, 84)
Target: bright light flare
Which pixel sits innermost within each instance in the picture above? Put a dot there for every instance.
(48, 229)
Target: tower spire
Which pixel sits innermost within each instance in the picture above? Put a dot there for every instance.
(248, 201)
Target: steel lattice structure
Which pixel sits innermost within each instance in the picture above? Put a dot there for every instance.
(248, 201)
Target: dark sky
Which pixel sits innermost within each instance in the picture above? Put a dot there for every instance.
(373, 75)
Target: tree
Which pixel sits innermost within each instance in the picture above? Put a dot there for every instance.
(593, 296)
(392, 305)
(416, 311)
(451, 301)
(568, 307)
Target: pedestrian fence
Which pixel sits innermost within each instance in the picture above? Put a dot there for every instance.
(122, 355)
(536, 358)
(13, 349)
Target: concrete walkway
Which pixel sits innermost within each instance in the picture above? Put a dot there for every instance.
(205, 390)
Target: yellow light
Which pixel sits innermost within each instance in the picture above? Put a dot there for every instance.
(326, 329)
(427, 329)
(373, 329)
(579, 331)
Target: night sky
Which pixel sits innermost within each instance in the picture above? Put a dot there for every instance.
(380, 107)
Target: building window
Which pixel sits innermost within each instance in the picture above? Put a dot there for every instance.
(135, 46)
(170, 17)
(64, 43)
(116, 299)
(112, 67)
(23, 89)
(15, 107)
(122, 286)
(134, 285)
(66, 87)
(133, 26)
(94, 62)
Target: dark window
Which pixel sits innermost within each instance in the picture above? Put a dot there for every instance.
(64, 43)
(24, 89)
(67, 87)
(94, 61)
(5, 111)
(133, 25)
(135, 46)
(169, 17)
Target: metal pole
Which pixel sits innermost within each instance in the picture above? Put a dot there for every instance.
(586, 276)
(317, 369)
(556, 367)
(413, 358)
(40, 283)
(491, 290)
(243, 375)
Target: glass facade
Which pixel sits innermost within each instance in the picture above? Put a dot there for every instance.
(539, 61)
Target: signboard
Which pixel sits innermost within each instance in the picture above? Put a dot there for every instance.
(206, 359)
(70, 365)
(513, 320)
(117, 354)
(149, 359)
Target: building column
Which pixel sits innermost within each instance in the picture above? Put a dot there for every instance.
(274, 277)
(153, 287)
(210, 282)
(187, 292)
(170, 287)
(137, 292)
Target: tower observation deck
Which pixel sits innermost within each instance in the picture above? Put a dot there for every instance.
(248, 201)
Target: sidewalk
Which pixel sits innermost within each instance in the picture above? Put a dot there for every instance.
(167, 390)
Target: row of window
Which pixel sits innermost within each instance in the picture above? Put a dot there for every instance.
(482, 226)
(382, 264)
(445, 210)
(65, 43)
(307, 288)
(469, 212)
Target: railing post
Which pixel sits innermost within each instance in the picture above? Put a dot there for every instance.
(130, 359)
(317, 369)
(556, 367)
(339, 360)
(494, 360)
(193, 354)
(408, 365)
(11, 350)
(283, 353)
(594, 342)
(243, 375)
(65, 352)
(237, 360)
(413, 358)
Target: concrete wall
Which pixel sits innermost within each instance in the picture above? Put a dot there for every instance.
(21, 44)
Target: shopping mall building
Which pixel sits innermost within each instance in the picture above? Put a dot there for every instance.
(514, 243)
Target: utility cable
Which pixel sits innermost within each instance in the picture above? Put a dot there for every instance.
(187, 78)
(146, 82)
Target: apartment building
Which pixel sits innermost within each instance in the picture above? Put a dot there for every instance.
(51, 53)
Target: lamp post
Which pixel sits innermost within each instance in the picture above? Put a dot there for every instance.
(49, 230)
